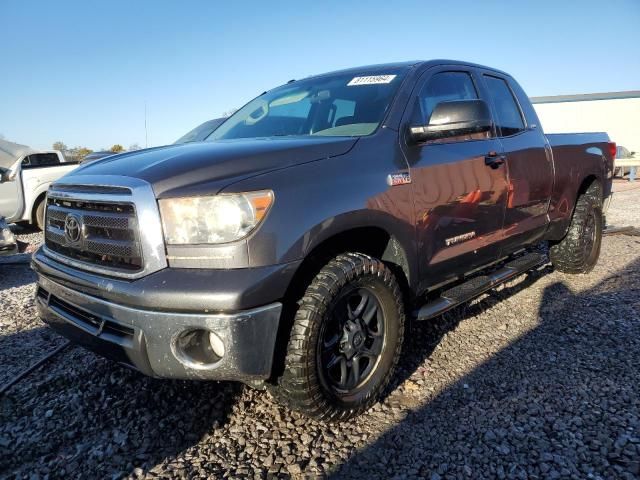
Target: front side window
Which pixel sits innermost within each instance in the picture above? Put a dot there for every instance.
(338, 104)
(509, 119)
(443, 87)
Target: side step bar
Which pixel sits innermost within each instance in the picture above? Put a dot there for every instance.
(477, 285)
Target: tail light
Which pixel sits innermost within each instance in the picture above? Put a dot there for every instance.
(612, 149)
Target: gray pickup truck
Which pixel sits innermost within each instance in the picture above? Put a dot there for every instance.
(289, 249)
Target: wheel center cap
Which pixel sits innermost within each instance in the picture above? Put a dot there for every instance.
(353, 339)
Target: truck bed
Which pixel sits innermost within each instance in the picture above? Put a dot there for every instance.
(577, 139)
(574, 155)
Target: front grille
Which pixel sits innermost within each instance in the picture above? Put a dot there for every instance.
(80, 316)
(109, 236)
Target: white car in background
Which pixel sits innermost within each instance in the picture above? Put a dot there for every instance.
(626, 159)
(25, 176)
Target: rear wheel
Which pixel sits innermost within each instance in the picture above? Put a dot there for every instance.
(579, 250)
(345, 340)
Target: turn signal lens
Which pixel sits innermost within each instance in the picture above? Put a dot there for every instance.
(261, 202)
(612, 149)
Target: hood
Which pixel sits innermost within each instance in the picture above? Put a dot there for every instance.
(207, 167)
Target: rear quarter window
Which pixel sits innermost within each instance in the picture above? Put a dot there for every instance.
(40, 160)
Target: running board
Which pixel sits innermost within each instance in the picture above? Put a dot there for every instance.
(478, 285)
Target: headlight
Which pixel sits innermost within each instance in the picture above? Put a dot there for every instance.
(217, 219)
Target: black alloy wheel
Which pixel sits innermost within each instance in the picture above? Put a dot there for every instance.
(352, 341)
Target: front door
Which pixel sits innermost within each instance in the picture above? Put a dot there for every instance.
(459, 198)
(11, 198)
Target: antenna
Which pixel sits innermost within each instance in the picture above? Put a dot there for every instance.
(146, 135)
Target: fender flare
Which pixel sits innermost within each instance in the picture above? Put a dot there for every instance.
(401, 235)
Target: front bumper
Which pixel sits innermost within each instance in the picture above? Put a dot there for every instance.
(148, 340)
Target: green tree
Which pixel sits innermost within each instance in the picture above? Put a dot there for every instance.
(83, 152)
(77, 154)
(60, 146)
(117, 148)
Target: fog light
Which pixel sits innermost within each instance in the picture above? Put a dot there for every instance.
(198, 348)
(216, 344)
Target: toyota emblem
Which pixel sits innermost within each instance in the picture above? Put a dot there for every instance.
(72, 229)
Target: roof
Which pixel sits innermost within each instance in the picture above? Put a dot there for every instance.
(368, 68)
(403, 65)
(584, 97)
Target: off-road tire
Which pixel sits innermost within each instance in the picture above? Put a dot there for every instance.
(303, 385)
(579, 250)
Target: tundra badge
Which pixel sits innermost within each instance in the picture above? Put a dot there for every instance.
(402, 178)
(459, 238)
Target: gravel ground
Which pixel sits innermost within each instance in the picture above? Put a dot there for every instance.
(625, 204)
(539, 379)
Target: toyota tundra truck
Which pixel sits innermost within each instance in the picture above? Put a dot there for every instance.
(291, 248)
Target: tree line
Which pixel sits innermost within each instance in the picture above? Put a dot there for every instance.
(79, 153)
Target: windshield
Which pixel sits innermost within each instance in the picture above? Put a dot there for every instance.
(330, 105)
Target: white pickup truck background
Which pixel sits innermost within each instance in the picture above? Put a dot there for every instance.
(25, 176)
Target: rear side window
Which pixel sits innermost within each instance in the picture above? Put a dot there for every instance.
(509, 119)
(443, 87)
(40, 160)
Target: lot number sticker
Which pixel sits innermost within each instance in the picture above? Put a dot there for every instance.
(371, 80)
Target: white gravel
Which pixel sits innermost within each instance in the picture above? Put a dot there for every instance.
(625, 205)
(539, 379)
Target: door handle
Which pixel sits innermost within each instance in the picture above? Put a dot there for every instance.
(494, 160)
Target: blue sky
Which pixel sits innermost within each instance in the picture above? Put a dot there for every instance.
(81, 72)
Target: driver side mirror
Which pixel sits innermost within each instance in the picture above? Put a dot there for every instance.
(451, 119)
(5, 175)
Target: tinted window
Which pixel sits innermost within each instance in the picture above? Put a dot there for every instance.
(443, 87)
(41, 160)
(509, 118)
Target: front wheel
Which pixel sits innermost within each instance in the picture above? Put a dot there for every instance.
(579, 250)
(39, 215)
(345, 341)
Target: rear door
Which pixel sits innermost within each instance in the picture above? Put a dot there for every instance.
(459, 200)
(529, 162)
